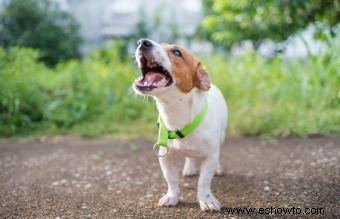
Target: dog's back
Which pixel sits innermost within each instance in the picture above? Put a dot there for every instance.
(219, 108)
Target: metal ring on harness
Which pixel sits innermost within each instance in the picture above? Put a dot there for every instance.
(157, 149)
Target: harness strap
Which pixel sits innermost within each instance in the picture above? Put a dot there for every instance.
(164, 134)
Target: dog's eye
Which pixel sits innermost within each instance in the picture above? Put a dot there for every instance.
(176, 52)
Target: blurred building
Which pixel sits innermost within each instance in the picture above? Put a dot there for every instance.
(161, 20)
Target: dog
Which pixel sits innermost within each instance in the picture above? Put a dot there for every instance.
(181, 87)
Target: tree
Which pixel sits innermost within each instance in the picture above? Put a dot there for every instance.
(229, 22)
(42, 25)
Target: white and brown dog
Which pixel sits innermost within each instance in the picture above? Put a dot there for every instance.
(181, 86)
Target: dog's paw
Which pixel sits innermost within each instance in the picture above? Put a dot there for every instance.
(219, 172)
(168, 201)
(191, 167)
(190, 171)
(209, 203)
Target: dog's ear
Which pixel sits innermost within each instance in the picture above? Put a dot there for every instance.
(201, 78)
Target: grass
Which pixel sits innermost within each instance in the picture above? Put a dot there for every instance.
(92, 97)
(281, 97)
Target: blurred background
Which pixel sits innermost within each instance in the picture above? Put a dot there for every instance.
(66, 66)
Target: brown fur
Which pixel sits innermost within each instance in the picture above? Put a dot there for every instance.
(188, 71)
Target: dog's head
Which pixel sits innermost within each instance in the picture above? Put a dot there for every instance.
(165, 67)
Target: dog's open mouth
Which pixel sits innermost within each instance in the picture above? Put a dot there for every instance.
(153, 76)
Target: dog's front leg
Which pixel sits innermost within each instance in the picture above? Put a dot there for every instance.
(206, 199)
(171, 175)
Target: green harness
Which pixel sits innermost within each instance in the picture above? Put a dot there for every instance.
(164, 134)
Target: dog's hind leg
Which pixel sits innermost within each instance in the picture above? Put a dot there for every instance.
(191, 167)
(171, 175)
(219, 169)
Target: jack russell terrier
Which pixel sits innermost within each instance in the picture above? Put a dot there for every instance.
(187, 103)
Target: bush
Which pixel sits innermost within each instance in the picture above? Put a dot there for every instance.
(93, 96)
(34, 97)
(22, 100)
(41, 25)
(280, 97)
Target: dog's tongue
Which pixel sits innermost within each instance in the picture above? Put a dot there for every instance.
(153, 77)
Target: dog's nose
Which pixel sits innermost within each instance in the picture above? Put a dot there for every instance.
(145, 43)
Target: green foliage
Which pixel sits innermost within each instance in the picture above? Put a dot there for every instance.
(230, 22)
(92, 97)
(73, 95)
(280, 97)
(21, 96)
(41, 25)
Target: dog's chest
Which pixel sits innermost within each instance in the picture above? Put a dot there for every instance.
(189, 146)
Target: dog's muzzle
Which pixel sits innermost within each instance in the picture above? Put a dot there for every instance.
(154, 74)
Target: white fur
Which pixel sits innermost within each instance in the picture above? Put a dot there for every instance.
(201, 147)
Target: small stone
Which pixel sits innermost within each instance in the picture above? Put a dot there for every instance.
(267, 188)
(250, 174)
(149, 196)
(113, 211)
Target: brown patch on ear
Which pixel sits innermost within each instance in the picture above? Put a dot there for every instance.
(201, 78)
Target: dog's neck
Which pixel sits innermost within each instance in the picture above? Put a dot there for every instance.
(177, 109)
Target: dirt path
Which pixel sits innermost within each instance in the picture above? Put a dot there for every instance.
(66, 177)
